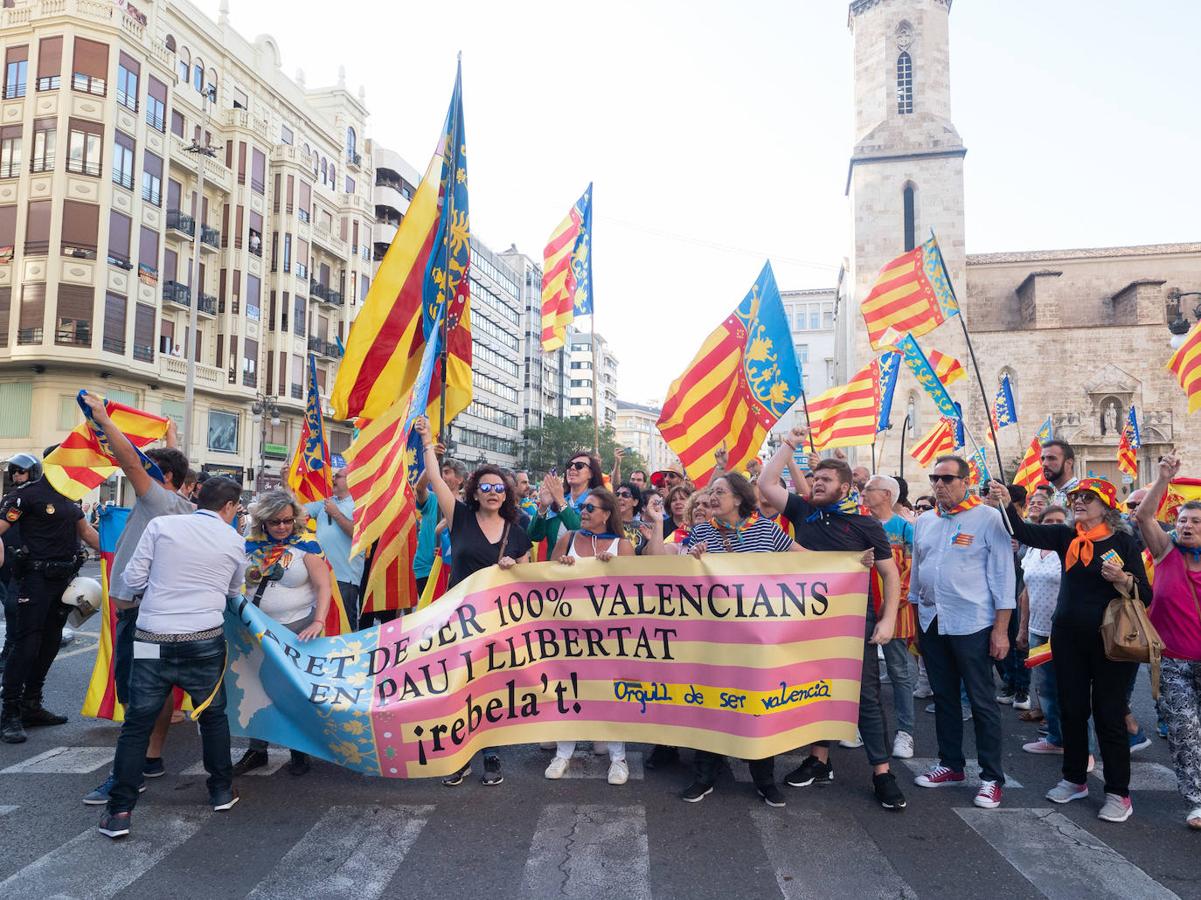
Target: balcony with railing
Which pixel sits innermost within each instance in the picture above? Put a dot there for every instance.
(206, 304)
(120, 260)
(114, 345)
(73, 334)
(29, 336)
(250, 379)
(177, 293)
(175, 368)
(323, 348)
(323, 293)
(297, 392)
(181, 222)
(210, 238)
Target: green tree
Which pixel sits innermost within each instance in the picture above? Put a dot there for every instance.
(553, 443)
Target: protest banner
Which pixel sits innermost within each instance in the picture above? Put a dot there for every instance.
(742, 654)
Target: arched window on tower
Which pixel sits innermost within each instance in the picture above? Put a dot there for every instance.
(351, 145)
(910, 198)
(904, 83)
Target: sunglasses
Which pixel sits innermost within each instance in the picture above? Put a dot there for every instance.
(592, 507)
(276, 523)
(945, 479)
(673, 476)
(1085, 496)
(577, 465)
(625, 494)
(922, 507)
(492, 488)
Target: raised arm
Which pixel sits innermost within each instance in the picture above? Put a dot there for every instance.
(123, 451)
(446, 497)
(1154, 537)
(770, 479)
(615, 475)
(1045, 537)
(799, 480)
(88, 534)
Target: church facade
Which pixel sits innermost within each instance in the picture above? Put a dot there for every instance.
(1082, 334)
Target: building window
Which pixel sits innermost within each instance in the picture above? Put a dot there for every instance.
(122, 159)
(170, 43)
(198, 76)
(83, 147)
(177, 123)
(253, 297)
(50, 63)
(910, 218)
(45, 135)
(119, 228)
(802, 353)
(351, 145)
(81, 223)
(285, 134)
(152, 179)
(16, 72)
(73, 320)
(16, 409)
(223, 431)
(904, 83)
(91, 67)
(127, 82)
(184, 64)
(10, 151)
(156, 105)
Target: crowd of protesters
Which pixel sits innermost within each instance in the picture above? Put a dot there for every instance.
(964, 582)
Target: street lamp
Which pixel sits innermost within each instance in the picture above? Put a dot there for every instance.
(263, 409)
(1179, 326)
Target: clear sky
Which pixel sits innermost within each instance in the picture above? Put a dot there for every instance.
(717, 133)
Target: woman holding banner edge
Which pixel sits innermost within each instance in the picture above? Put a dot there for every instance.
(483, 532)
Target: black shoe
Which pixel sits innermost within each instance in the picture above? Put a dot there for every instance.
(696, 792)
(299, 764)
(771, 795)
(887, 791)
(34, 715)
(153, 767)
(457, 778)
(11, 729)
(811, 771)
(115, 825)
(491, 776)
(251, 759)
(223, 799)
(661, 757)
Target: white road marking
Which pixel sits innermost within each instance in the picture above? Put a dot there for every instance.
(5, 810)
(92, 866)
(63, 761)
(847, 862)
(275, 761)
(1061, 859)
(589, 851)
(87, 647)
(596, 765)
(352, 851)
(971, 768)
(1145, 776)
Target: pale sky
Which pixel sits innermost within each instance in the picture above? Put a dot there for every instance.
(718, 133)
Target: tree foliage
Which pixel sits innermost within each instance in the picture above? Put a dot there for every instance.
(553, 444)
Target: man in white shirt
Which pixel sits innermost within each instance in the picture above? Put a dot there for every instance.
(184, 567)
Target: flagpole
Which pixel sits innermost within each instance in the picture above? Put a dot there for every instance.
(808, 421)
(904, 431)
(450, 219)
(595, 393)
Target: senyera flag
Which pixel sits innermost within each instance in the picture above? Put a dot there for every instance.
(912, 295)
(1179, 492)
(84, 461)
(567, 273)
(938, 441)
(739, 384)
(946, 367)
(1185, 364)
(850, 414)
(1129, 444)
(309, 476)
(100, 700)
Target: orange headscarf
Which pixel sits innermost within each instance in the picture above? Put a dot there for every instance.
(1081, 548)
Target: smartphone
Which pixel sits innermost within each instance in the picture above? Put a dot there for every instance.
(553, 472)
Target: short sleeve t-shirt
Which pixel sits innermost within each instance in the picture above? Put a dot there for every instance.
(335, 542)
(158, 501)
(472, 549)
(761, 536)
(836, 532)
(48, 520)
(899, 532)
(423, 559)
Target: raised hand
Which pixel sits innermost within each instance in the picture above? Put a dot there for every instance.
(1169, 466)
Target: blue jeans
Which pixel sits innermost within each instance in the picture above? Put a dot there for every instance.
(1048, 697)
(902, 673)
(196, 667)
(350, 601)
(951, 658)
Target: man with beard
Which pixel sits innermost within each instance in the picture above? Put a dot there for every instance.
(1059, 468)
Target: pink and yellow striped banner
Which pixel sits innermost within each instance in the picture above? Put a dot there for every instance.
(743, 654)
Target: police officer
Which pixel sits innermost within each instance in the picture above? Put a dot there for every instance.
(49, 557)
(21, 468)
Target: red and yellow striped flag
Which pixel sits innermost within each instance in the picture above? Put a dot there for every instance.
(940, 440)
(1030, 470)
(846, 416)
(82, 462)
(912, 295)
(1185, 364)
(1179, 492)
(946, 367)
(567, 273)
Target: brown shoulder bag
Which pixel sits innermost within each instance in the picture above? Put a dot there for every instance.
(1129, 636)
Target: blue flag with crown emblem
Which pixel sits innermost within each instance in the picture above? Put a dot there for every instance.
(916, 359)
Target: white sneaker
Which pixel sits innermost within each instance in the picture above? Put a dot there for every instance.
(852, 745)
(557, 768)
(922, 692)
(619, 772)
(902, 745)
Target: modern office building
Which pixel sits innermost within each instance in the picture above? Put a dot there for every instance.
(580, 378)
(638, 429)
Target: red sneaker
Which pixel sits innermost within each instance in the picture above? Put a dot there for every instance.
(989, 795)
(939, 776)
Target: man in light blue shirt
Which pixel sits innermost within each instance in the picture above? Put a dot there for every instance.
(962, 582)
(335, 525)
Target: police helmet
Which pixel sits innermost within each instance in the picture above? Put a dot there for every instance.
(83, 596)
(25, 462)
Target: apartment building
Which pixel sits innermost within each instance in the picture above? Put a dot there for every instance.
(580, 376)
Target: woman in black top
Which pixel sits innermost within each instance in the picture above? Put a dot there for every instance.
(1100, 557)
(483, 532)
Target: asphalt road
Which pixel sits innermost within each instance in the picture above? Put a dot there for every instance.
(332, 833)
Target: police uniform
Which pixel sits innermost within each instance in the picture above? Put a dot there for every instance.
(47, 561)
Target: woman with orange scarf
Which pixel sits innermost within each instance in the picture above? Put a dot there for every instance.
(1100, 557)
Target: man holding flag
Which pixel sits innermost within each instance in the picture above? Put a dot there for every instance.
(335, 524)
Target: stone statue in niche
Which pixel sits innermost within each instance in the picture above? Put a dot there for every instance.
(1109, 418)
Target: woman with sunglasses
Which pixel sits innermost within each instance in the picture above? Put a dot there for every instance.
(559, 502)
(289, 579)
(1100, 557)
(484, 532)
(600, 537)
(629, 510)
(736, 527)
(923, 505)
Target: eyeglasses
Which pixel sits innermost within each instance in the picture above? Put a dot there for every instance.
(276, 523)
(945, 479)
(577, 465)
(491, 488)
(592, 507)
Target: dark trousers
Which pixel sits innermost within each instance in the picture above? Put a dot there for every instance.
(1091, 684)
(1012, 668)
(196, 667)
(8, 594)
(350, 602)
(127, 624)
(873, 725)
(37, 627)
(763, 771)
(950, 659)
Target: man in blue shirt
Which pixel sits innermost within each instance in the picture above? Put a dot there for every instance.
(335, 526)
(962, 581)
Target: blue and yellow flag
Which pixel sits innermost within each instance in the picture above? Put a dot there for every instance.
(890, 368)
(926, 376)
(567, 273)
(977, 467)
(309, 476)
(1004, 410)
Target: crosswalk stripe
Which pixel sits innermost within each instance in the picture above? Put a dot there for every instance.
(63, 761)
(352, 851)
(5, 810)
(1145, 776)
(596, 765)
(92, 866)
(589, 851)
(917, 765)
(274, 763)
(847, 862)
(1061, 859)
